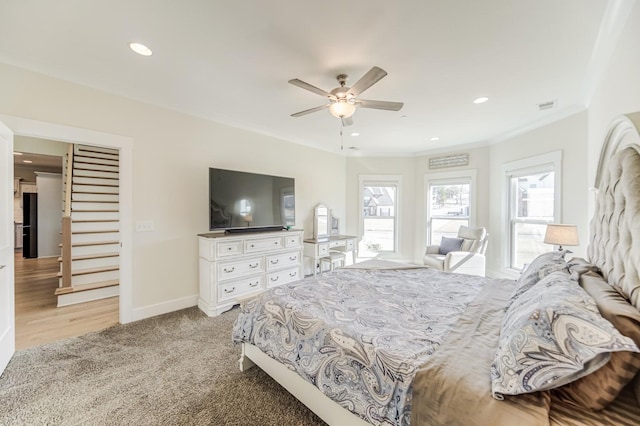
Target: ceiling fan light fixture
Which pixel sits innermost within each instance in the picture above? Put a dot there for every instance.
(342, 108)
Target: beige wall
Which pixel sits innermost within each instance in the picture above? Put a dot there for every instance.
(617, 93)
(39, 146)
(172, 153)
(568, 135)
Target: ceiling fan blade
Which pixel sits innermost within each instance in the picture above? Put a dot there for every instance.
(309, 111)
(347, 121)
(367, 80)
(311, 88)
(389, 106)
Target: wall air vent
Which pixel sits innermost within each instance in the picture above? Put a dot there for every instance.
(449, 161)
(547, 105)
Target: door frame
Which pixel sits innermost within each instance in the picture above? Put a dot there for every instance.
(40, 129)
(7, 304)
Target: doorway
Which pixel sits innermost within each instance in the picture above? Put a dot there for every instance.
(39, 129)
(43, 313)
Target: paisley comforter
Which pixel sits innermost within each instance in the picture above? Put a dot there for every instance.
(359, 336)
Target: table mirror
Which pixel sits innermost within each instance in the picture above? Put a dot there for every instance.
(321, 222)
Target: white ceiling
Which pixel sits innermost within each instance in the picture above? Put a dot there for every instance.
(229, 61)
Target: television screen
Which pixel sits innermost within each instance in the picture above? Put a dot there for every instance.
(249, 200)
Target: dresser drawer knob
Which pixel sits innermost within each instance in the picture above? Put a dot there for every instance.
(230, 291)
(275, 242)
(274, 279)
(293, 274)
(253, 266)
(230, 270)
(274, 262)
(293, 257)
(254, 284)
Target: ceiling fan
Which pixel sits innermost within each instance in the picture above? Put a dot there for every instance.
(344, 100)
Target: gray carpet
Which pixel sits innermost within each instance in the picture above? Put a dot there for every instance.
(175, 369)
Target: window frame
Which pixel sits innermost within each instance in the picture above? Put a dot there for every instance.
(448, 178)
(381, 180)
(544, 163)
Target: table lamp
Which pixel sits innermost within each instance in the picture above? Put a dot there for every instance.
(561, 235)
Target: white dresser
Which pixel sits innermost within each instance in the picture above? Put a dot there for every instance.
(236, 265)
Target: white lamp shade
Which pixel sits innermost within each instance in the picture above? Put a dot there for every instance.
(342, 109)
(561, 235)
(248, 218)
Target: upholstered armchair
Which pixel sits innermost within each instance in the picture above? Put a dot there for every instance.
(464, 254)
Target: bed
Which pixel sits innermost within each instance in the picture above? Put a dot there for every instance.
(391, 344)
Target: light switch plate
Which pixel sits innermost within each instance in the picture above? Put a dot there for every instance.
(144, 226)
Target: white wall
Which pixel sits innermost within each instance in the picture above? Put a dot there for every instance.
(49, 213)
(568, 135)
(172, 153)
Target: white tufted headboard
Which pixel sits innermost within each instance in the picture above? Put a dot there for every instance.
(615, 226)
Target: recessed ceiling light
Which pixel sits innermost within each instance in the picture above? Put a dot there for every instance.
(435, 138)
(27, 161)
(141, 49)
(355, 134)
(17, 153)
(481, 100)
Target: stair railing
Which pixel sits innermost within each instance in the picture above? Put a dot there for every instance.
(66, 222)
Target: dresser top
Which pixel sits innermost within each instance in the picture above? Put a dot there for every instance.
(221, 234)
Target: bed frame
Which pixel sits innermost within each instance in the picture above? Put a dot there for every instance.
(325, 408)
(624, 132)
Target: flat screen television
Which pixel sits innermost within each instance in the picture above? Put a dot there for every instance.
(250, 201)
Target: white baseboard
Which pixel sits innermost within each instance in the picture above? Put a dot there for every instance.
(164, 307)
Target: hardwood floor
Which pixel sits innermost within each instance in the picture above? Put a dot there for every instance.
(38, 320)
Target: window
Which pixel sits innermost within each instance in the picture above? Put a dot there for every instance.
(448, 209)
(533, 202)
(379, 197)
(449, 203)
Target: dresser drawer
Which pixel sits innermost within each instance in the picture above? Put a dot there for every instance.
(351, 244)
(229, 248)
(323, 249)
(237, 288)
(283, 277)
(262, 244)
(283, 260)
(337, 243)
(293, 241)
(229, 270)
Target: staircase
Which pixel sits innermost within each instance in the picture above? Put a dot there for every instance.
(89, 265)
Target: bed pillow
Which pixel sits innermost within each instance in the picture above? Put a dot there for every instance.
(579, 266)
(552, 335)
(450, 244)
(599, 389)
(539, 268)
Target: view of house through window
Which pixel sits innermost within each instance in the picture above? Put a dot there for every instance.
(448, 210)
(379, 203)
(532, 202)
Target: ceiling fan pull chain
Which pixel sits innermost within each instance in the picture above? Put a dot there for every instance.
(341, 136)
